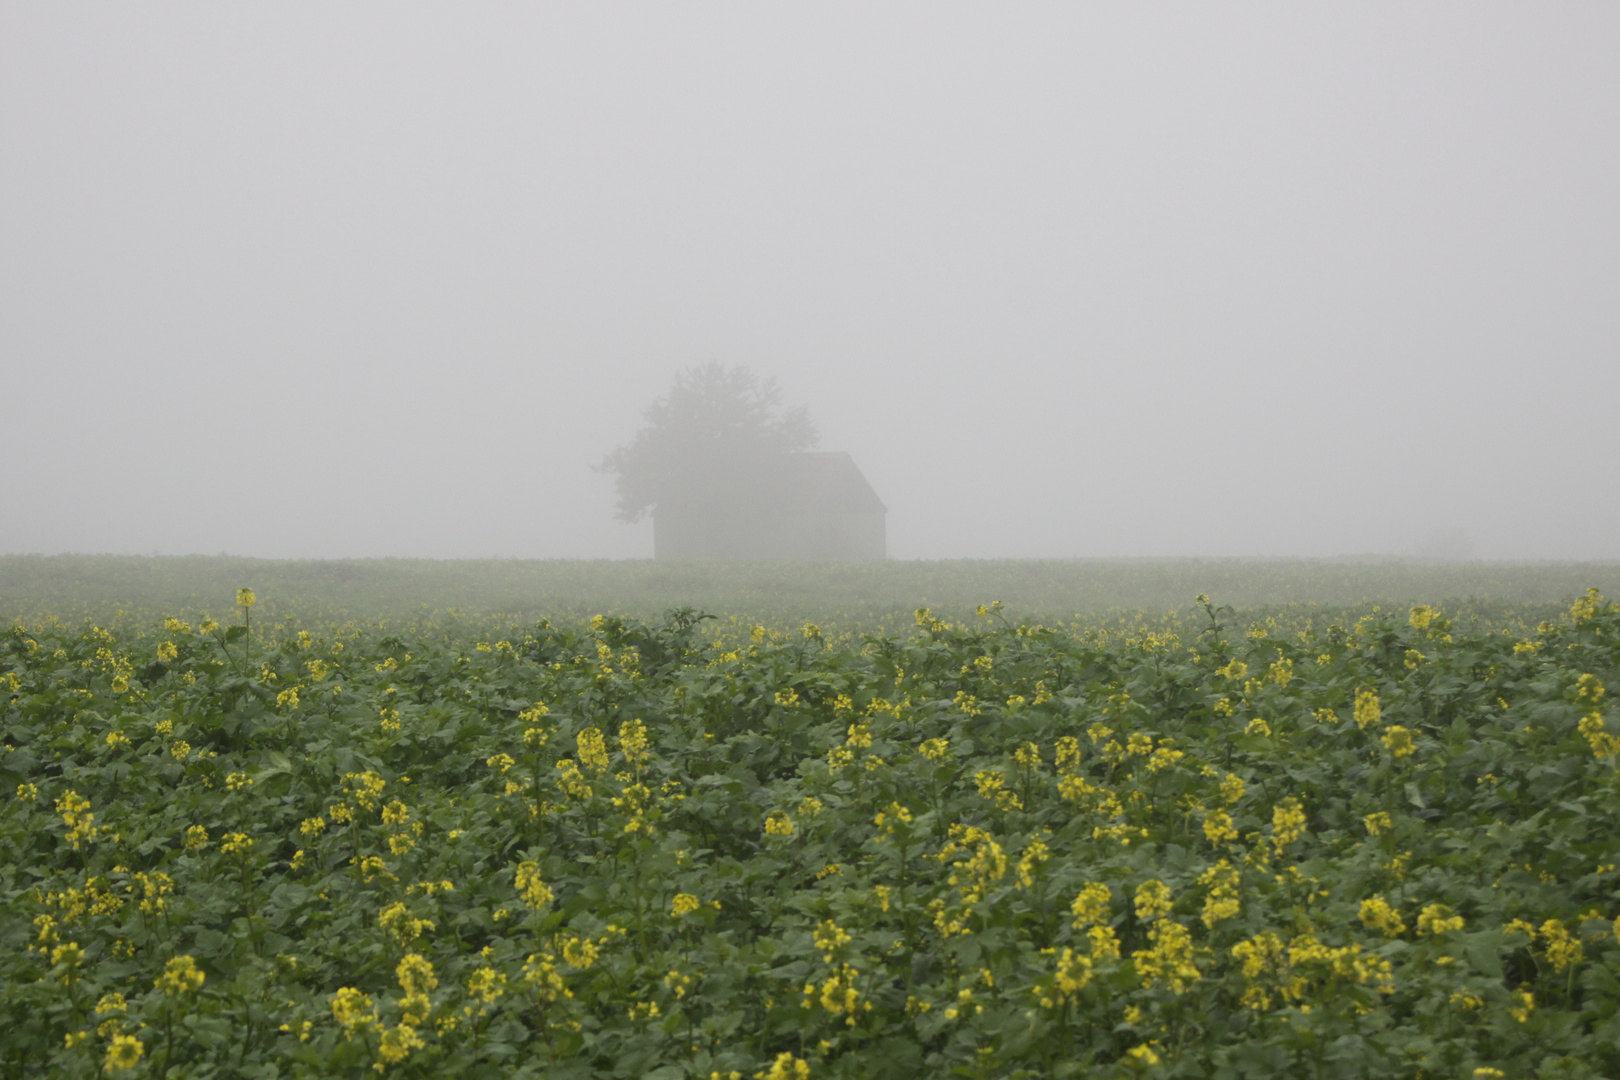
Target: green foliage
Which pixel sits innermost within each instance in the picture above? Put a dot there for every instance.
(1383, 848)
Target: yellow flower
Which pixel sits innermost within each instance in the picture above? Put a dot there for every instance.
(1091, 905)
(1170, 960)
(1287, 823)
(1367, 712)
(1377, 914)
(401, 925)
(829, 938)
(778, 824)
(786, 1067)
(1437, 919)
(415, 974)
(1563, 948)
(633, 743)
(236, 843)
(1222, 903)
(535, 892)
(180, 976)
(1378, 824)
(167, 651)
(1218, 827)
(1420, 617)
(124, 1052)
(1152, 900)
(1072, 975)
(196, 838)
(245, 598)
(485, 985)
(398, 1042)
(592, 750)
(580, 952)
(1398, 741)
(684, 904)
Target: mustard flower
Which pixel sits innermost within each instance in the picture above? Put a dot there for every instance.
(829, 938)
(1377, 914)
(415, 975)
(1222, 902)
(485, 985)
(580, 952)
(787, 1067)
(1170, 960)
(397, 1043)
(123, 1052)
(535, 892)
(1398, 741)
(592, 750)
(180, 977)
(1368, 712)
(1091, 905)
(1438, 919)
(684, 904)
(1072, 974)
(634, 744)
(245, 598)
(1563, 948)
(1152, 900)
(1142, 1057)
(1287, 823)
(401, 924)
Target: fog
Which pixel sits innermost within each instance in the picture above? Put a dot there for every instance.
(327, 280)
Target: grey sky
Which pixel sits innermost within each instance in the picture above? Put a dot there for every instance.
(385, 279)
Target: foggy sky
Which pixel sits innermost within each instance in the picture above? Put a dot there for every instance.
(330, 280)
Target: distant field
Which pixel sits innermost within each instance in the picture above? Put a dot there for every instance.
(868, 596)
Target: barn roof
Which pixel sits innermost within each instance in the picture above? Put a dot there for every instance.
(818, 482)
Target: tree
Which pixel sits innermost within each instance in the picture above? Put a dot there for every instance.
(713, 417)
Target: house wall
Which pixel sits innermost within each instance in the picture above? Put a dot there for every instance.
(742, 534)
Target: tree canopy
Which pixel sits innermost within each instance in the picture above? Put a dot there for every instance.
(713, 416)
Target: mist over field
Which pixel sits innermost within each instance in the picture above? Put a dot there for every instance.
(314, 281)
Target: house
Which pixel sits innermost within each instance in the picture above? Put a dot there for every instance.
(809, 506)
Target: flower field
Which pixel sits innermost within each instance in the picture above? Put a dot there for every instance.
(1387, 848)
